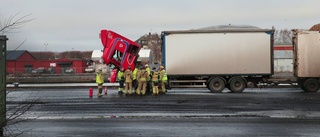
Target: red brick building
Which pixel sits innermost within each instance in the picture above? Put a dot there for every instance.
(21, 61)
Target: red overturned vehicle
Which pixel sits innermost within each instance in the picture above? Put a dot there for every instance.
(118, 51)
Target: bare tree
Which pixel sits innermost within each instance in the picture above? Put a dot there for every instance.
(283, 37)
(76, 54)
(14, 22)
(17, 107)
(7, 26)
(44, 55)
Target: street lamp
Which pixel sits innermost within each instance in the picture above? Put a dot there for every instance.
(46, 44)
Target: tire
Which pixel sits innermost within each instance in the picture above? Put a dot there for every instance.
(237, 85)
(216, 85)
(311, 85)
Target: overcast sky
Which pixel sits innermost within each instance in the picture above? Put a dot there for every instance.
(75, 24)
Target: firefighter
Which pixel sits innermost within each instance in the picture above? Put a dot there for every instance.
(135, 81)
(142, 81)
(99, 81)
(128, 76)
(121, 81)
(163, 80)
(138, 91)
(149, 79)
(155, 81)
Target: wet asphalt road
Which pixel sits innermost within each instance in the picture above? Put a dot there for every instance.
(181, 112)
(171, 127)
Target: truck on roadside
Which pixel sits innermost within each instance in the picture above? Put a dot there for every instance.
(306, 61)
(218, 58)
(232, 57)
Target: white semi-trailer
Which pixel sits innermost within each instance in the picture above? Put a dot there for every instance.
(233, 57)
(218, 58)
(306, 61)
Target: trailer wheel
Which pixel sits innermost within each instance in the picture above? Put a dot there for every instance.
(216, 85)
(311, 85)
(237, 85)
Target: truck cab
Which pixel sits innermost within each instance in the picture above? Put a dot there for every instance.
(118, 50)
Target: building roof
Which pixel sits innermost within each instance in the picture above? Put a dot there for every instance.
(224, 27)
(221, 29)
(15, 54)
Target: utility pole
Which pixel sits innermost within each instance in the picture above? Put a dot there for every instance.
(3, 85)
(46, 44)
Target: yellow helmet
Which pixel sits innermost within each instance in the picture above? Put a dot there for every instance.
(161, 67)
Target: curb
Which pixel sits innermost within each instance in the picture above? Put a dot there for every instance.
(17, 85)
(162, 116)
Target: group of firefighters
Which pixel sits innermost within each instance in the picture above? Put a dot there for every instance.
(139, 81)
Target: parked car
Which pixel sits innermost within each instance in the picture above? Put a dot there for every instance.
(90, 69)
(40, 70)
(70, 71)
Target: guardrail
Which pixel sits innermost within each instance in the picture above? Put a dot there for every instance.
(55, 78)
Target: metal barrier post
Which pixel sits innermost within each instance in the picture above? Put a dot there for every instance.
(3, 49)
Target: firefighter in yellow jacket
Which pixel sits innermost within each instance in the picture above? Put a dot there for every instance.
(121, 81)
(142, 81)
(163, 80)
(128, 76)
(99, 81)
(135, 81)
(148, 89)
(155, 81)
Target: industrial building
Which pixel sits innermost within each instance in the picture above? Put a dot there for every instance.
(21, 61)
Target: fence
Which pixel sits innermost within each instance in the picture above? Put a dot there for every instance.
(52, 70)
